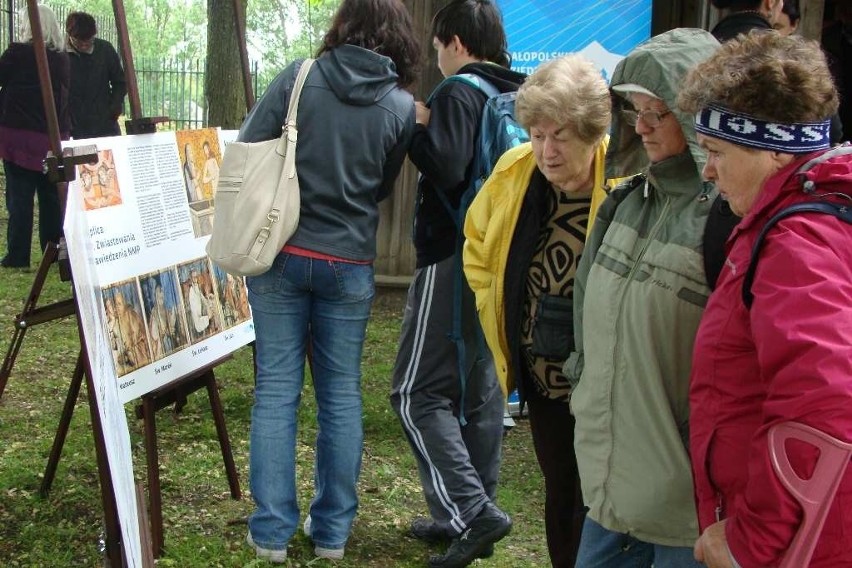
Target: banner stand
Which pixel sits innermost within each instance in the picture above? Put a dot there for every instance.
(60, 167)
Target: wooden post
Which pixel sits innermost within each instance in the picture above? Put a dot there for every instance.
(810, 26)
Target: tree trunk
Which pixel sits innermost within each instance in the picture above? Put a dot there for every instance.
(223, 79)
(422, 12)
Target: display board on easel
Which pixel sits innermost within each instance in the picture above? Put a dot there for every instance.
(152, 307)
(146, 208)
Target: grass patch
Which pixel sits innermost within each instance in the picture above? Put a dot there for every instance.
(203, 526)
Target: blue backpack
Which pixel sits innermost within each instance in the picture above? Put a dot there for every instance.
(499, 131)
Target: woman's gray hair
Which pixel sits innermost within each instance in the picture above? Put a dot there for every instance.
(51, 32)
(570, 91)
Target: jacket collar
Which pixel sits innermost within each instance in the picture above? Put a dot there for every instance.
(833, 175)
(676, 176)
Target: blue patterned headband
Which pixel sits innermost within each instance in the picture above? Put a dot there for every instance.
(745, 130)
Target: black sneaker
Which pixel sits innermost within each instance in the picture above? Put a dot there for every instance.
(430, 532)
(427, 530)
(489, 526)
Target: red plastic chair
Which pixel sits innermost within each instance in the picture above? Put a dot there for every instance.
(816, 494)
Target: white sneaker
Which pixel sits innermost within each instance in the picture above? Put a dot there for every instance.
(329, 553)
(274, 556)
(319, 551)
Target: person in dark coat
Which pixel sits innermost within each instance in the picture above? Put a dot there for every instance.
(98, 86)
(788, 20)
(744, 16)
(24, 140)
(837, 43)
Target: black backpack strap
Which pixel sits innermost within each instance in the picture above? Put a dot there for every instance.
(842, 212)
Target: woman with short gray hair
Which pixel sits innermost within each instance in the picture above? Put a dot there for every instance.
(525, 233)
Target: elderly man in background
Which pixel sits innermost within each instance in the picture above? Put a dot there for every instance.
(97, 80)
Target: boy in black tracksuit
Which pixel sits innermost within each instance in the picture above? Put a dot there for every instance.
(454, 424)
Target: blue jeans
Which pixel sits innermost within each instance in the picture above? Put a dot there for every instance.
(22, 185)
(602, 548)
(327, 304)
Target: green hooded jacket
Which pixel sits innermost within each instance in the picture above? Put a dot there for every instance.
(640, 291)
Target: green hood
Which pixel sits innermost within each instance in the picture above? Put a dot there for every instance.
(659, 65)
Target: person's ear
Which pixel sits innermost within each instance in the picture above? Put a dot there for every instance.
(781, 159)
(458, 46)
(772, 8)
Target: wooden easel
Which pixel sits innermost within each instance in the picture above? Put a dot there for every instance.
(176, 393)
(33, 315)
(61, 168)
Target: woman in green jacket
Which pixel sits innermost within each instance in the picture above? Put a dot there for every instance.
(640, 292)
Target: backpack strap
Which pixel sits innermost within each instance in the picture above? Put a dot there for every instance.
(842, 212)
(457, 214)
(471, 80)
(720, 224)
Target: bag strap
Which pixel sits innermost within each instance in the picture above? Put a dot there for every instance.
(842, 212)
(293, 107)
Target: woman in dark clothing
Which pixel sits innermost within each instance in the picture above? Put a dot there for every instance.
(24, 138)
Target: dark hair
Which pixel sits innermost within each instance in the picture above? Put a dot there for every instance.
(736, 5)
(791, 8)
(479, 26)
(383, 26)
(81, 25)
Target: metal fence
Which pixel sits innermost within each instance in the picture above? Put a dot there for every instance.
(175, 88)
(167, 87)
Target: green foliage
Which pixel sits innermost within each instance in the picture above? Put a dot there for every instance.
(280, 31)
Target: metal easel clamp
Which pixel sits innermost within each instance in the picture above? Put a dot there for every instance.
(145, 125)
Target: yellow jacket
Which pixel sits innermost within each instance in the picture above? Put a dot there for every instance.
(489, 228)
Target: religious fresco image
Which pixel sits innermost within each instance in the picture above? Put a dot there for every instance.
(200, 158)
(202, 309)
(99, 182)
(125, 326)
(234, 297)
(164, 313)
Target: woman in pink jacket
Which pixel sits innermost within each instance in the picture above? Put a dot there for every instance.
(784, 352)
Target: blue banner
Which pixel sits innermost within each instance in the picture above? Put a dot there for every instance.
(602, 30)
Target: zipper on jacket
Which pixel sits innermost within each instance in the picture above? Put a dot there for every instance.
(654, 230)
(720, 507)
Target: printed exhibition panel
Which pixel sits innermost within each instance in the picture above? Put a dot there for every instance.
(152, 306)
(147, 207)
(602, 30)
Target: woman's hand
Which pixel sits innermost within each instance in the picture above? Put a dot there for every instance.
(712, 547)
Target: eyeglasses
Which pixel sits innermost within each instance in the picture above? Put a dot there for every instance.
(652, 118)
